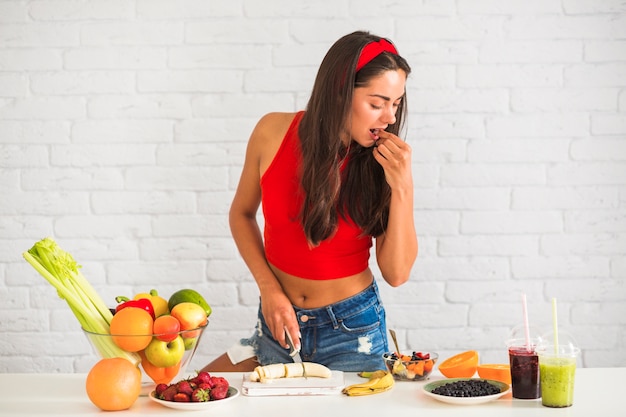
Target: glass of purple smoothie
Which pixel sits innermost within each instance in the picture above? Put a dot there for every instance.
(524, 362)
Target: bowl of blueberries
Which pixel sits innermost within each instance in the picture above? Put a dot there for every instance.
(466, 390)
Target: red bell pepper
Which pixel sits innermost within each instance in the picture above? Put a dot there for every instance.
(142, 303)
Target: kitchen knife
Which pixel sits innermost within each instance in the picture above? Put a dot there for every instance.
(295, 353)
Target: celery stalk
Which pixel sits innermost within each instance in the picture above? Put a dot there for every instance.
(61, 270)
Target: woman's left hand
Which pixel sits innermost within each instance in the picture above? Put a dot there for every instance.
(394, 155)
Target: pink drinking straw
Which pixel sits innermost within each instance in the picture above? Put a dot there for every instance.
(526, 327)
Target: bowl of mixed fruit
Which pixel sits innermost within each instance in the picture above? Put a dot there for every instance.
(414, 367)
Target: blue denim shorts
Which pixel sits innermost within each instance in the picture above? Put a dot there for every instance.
(350, 335)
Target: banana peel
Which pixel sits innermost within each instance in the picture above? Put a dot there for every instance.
(378, 381)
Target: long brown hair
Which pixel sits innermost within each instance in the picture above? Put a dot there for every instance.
(360, 191)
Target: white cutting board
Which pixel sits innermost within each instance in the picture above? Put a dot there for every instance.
(295, 386)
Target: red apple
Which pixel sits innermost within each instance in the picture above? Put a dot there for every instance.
(190, 315)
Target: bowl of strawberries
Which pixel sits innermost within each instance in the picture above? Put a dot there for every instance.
(199, 392)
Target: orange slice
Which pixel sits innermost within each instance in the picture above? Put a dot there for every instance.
(496, 371)
(462, 365)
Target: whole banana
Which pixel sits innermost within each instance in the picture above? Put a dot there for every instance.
(379, 381)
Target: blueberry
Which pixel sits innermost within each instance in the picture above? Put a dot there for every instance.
(469, 388)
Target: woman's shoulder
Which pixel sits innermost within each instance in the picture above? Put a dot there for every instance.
(275, 122)
(268, 135)
(272, 127)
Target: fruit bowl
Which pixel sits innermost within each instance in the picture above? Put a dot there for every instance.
(415, 367)
(165, 357)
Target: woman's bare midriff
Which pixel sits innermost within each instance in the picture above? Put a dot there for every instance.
(303, 293)
(308, 293)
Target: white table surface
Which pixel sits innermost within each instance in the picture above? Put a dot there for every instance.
(599, 392)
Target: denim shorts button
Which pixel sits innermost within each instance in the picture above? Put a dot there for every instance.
(304, 318)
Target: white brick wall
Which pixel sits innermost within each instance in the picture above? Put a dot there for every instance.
(123, 126)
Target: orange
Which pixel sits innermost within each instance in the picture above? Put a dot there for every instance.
(113, 384)
(131, 329)
(462, 365)
(496, 371)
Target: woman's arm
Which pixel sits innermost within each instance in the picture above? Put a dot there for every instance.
(396, 248)
(276, 307)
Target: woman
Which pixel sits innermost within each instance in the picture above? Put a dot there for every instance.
(330, 179)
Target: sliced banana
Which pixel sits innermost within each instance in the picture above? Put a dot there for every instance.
(316, 370)
(276, 370)
(294, 370)
(289, 370)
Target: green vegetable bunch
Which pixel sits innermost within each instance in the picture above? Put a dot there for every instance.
(61, 270)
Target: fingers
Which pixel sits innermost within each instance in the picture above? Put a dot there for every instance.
(389, 145)
(394, 155)
(279, 332)
(281, 338)
(295, 337)
(279, 328)
(392, 148)
(385, 137)
(279, 316)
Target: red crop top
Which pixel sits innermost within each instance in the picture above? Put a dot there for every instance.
(343, 254)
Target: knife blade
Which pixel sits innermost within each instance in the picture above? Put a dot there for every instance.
(295, 353)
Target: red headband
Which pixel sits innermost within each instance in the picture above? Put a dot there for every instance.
(372, 50)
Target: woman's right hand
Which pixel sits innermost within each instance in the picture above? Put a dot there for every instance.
(280, 317)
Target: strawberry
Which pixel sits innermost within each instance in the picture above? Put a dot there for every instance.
(184, 387)
(218, 380)
(420, 355)
(200, 395)
(219, 392)
(159, 389)
(202, 376)
(181, 397)
(169, 393)
(205, 385)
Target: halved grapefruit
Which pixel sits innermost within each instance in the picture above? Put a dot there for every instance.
(496, 371)
(462, 365)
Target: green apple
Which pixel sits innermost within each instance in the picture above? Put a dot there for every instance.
(165, 354)
(190, 342)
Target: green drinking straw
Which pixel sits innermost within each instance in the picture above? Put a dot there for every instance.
(556, 327)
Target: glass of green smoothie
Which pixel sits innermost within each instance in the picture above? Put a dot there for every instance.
(557, 369)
